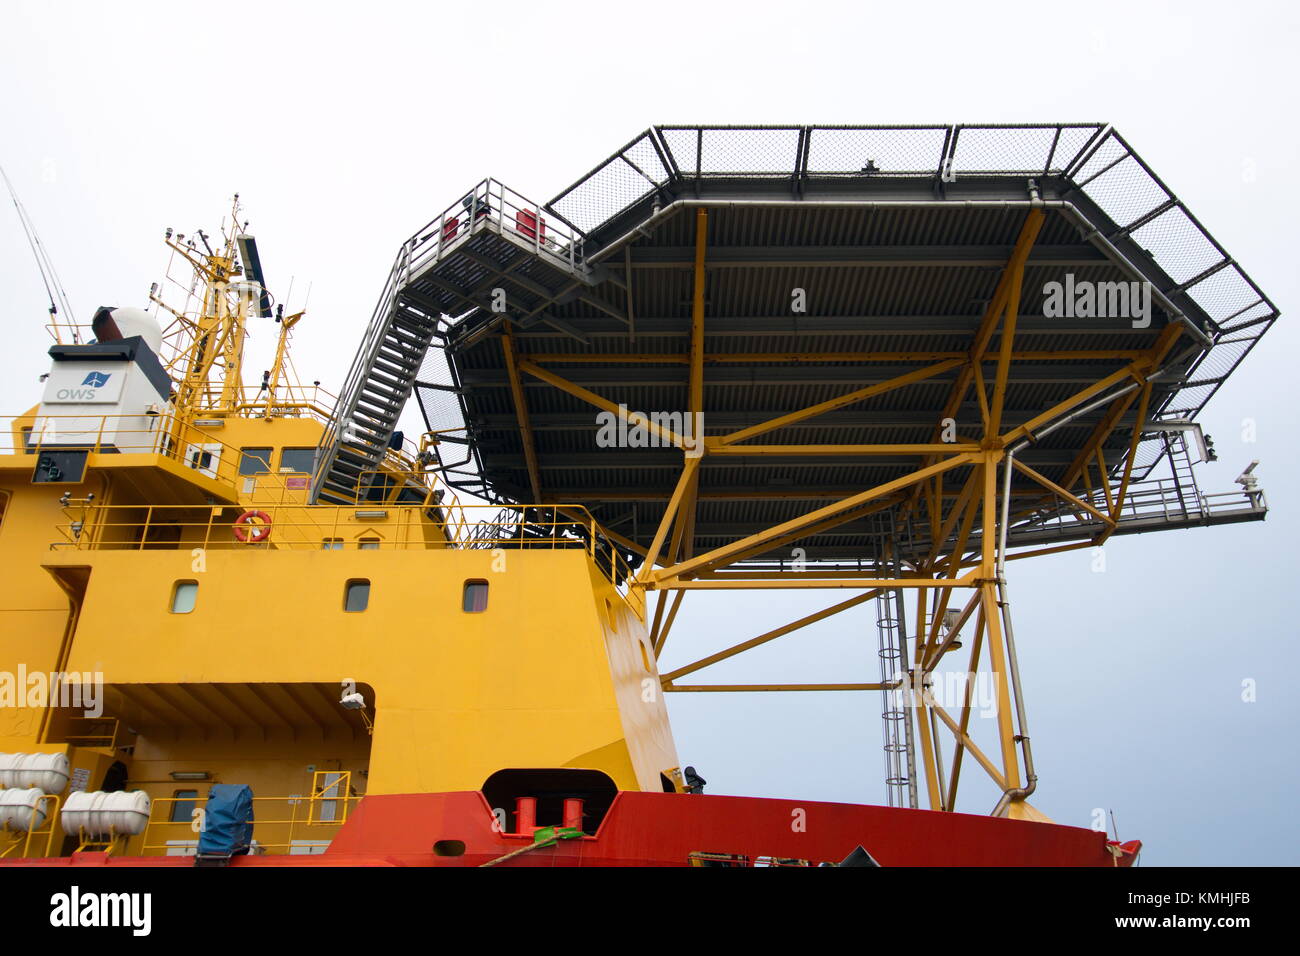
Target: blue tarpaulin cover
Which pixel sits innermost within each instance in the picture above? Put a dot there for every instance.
(228, 820)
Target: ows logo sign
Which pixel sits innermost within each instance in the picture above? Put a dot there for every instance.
(72, 386)
(87, 391)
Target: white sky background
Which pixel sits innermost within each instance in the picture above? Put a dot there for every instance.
(345, 128)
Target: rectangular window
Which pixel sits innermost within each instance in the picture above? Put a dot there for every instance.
(475, 600)
(331, 544)
(183, 808)
(356, 595)
(299, 460)
(204, 458)
(254, 461)
(184, 596)
(369, 544)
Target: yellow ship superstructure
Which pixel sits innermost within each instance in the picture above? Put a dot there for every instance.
(176, 614)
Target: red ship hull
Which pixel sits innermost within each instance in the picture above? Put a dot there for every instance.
(652, 829)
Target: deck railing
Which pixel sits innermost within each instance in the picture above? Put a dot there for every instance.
(493, 205)
(91, 526)
(306, 823)
(195, 443)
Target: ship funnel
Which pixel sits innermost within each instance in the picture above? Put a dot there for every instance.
(111, 324)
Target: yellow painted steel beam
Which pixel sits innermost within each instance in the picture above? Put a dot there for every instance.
(521, 411)
(815, 584)
(1098, 435)
(968, 744)
(937, 654)
(662, 637)
(697, 313)
(1010, 277)
(998, 662)
(805, 358)
(665, 435)
(687, 548)
(1059, 491)
(761, 688)
(810, 494)
(984, 334)
(682, 541)
(1010, 314)
(781, 541)
(972, 668)
(670, 513)
(996, 307)
(920, 711)
(860, 450)
(1149, 362)
(880, 388)
(1074, 401)
(964, 500)
(658, 619)
(771, 635)
(989, 502)
(715, 556)
(772, 575)
(943, 596)
(982, 396)
(1122, 494)
(934, 502)
(1104, 473)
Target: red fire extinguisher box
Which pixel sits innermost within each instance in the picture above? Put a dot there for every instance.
(530, 225)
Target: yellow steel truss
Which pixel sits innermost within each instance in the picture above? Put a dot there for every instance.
(672, 565)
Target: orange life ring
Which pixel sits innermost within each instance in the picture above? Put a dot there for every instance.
(252, 533)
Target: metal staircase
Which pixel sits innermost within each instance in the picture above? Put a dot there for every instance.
(492, 250)
(380, 381)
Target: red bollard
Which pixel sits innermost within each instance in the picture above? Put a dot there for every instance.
(525, 815)
(573, 813)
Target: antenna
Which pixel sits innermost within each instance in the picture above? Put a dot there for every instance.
(253, 269)
(49, 277)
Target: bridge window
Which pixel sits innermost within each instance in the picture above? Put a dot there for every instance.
(356, 595)
(301, 460)
(475, 599)
(254, 461)
(184, 596)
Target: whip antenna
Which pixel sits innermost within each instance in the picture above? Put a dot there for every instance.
(49, 277)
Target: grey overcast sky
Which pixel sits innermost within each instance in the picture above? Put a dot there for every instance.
(345, 127)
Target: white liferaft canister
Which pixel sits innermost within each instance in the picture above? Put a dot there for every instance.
(49, 772)
(19, 807)
(102, 814)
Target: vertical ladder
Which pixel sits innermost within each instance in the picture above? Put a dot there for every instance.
(378, 385)
(900, 762)
(1180, 465)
